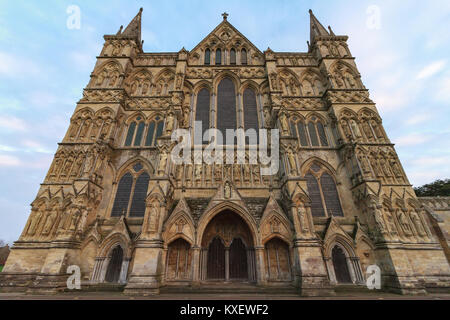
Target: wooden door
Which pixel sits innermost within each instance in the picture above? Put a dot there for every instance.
(238, 260)
(216, 260)
(340, 265)
(115, 265)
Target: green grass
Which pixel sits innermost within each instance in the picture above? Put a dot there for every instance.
(1, 268)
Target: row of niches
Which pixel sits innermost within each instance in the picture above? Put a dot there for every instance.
(404, 223)
(88, 126)
(381, 164)
(296, 61)
(73, 162)
(212, 175)
(365, 127)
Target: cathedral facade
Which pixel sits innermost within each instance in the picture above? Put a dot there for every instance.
(115, 204)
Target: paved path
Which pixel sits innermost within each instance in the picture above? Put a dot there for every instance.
(120, 296)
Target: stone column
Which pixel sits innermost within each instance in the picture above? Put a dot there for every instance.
(260, 267)
(124, 270)
(196, 260)
(227, 264)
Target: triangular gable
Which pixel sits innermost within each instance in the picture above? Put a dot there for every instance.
(334, 229)
(226, 192)
(224, 33)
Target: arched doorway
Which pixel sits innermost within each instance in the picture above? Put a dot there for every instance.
(179, 259)
(115, 265)
(340, 265)
(227, 249)
(278, 264)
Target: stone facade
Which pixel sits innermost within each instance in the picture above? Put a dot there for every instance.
(115, 204)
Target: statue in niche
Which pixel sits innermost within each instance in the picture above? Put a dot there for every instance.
(377, 129)
(367, 130)
(218, 172)
(74, 219)
(162, 162)
(74, 130)
(96, 124)
(273, 81)
(67, 166)
(392, 228)
(55, 166)
(237, 172)
(364, 165)
(153, 217)
(198, 171)
(346, 129)
(406, 227)
(303, 219)
(292, 162)
(101, 78)
(256, 173)
(170, 119)
(355, 128)
(227, 190)
(185, 118)
(284, 123)
(267, 118)
(33, 222)
(380, 221)
(418, 223)
(51, 218)
(88, 164)
(105, 129)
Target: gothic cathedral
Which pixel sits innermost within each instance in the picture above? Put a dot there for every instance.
(114, 203)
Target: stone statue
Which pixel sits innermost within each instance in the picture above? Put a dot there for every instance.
(170, 121)
(33, 222)
(406, 227)
(303, 219)
(51, 218)
(284, 123)
(227, 190)
(418, 223)
(355, 128)
(380, 221)
(267, 118)
(162, 162)
(390, 223)
(153, 218)
(346, 129)
(292, 162)
(88, 164)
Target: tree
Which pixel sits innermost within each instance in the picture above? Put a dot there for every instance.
(438, 188)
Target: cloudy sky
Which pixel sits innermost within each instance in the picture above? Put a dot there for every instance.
(401, 49)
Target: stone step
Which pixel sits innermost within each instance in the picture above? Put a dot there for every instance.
(102, 287)
(230, 288)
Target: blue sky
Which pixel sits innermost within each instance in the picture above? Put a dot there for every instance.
(404, 61)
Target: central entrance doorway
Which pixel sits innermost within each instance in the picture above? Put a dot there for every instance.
(227, 250)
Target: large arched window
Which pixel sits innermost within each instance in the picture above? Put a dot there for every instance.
(218, 56)
(155, 130)
(243, 56)
(226, 106)
(132, 189)
(323, 193)
(312, 134)
(298, 130)
(232, 56)
(203, 108)
(250, 111)
(207, 56)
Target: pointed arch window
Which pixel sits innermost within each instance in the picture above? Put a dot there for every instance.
(250, 111)
(122, 195)
(218, 57)
(134, 136)
(243, 56)
(323, 193)
(203, 108)
(226, 106)
(207, 56)
(232, 56)
(154, 131)
(298, 130)
(137, 208)
(131, 193)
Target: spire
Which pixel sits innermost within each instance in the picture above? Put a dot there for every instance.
(316, 28)
(134, 28)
